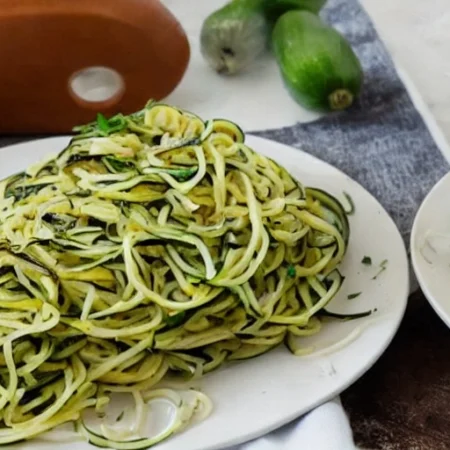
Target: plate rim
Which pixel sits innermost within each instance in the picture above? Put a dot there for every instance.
(377, 355)
(415, 254)
(388, 337)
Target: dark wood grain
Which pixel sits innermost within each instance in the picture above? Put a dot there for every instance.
(403, 402)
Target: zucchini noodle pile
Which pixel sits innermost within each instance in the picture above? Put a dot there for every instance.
(155, 244)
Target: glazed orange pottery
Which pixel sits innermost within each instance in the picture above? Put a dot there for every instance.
(55, 55)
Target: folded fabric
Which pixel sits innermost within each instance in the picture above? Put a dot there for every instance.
(325, 428)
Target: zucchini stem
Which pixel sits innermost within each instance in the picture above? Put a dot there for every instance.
(340, 99)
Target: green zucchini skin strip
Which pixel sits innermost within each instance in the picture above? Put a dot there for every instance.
(154, 244)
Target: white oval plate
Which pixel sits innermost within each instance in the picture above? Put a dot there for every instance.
(430, 248)
(254, 397)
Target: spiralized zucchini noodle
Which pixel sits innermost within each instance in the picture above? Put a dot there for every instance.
(154, 244)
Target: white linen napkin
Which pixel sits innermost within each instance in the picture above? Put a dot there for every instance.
(325, 428)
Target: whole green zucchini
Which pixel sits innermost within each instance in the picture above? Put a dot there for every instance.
(319, 67)
(274, 9)
(234, 36)
(239, 32)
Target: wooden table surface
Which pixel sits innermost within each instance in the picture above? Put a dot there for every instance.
(403, 402)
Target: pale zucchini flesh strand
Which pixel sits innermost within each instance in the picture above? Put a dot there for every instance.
(154, 244)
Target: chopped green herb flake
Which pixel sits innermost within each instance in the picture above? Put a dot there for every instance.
(177, 319)
(353, 296)
(102, 123)
(367, 260)
(291, 272)
(120, 417)
(383, 267)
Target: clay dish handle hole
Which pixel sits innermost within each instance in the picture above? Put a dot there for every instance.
(97, 88)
